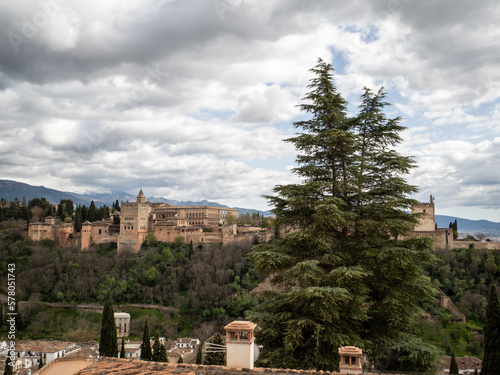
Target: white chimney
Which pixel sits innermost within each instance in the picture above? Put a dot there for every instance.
(240, 344)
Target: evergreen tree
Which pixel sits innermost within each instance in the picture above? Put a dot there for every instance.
(453, 364)
(264, 223)
(40, 364)
(199, 354)
(122, 350)
(108, 346)
(78, 219)
(180, 360)
(28, 210)
(491, 358)
(190, 250)
(159, 351)
(8, 368)
(93, 212)
(85, 213)
(351, 279)
(216, 358)
(146, 353)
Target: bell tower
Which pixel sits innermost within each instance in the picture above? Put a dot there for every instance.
(141, 198)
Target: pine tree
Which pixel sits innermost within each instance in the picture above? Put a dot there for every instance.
(453, 364)
(108, 346)
(216, 358)
(491, 358)
(122, 350)
(180, 360)
(146, 353)
(351, 278)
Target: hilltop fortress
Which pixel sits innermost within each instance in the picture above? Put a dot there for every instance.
(166, 222)
(201, 224)
(140, 219)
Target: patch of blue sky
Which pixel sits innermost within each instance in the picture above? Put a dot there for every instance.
(338, 62)
(272, 163)
(208, 114)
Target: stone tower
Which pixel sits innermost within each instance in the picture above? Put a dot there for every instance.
(427, 220)
(141, 198)
(134, 222)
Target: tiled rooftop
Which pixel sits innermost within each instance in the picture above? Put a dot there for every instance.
(42, 346)
(116, 366)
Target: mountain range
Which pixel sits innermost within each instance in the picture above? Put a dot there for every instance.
(13, 189)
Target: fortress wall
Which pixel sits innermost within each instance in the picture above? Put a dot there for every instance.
(477, 245)
(442, 237)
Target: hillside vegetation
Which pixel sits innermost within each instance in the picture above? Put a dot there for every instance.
(202, 283)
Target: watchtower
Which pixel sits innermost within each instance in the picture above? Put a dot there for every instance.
(427, 219)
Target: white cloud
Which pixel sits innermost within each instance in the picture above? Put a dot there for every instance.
(192, 99)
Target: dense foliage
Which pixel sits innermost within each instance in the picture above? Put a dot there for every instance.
(349, 279)
(491, 360)
(204, 285)
(66, 211)
(464, 275)
(215, 281)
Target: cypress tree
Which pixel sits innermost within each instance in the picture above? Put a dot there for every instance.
(354, 279)
(78, 219)
(491, 359)
(108, 346)
(190, 250)
(122, 351)
(180, 360)
(159, 351)
(8, 368)
(93, 212)
(453, 364)
(199, 354)
(146, 354)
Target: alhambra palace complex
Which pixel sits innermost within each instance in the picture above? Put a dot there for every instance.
(200, 224)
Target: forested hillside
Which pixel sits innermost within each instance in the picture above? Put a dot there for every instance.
(205, 282)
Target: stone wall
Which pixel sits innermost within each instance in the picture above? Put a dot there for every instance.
(477, 245)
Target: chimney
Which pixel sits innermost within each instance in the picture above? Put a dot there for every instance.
(350, 360)
(240, 344)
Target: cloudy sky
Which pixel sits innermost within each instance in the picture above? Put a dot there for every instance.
(191, 99)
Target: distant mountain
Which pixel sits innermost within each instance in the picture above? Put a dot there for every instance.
(489, 228)
(13, 189)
